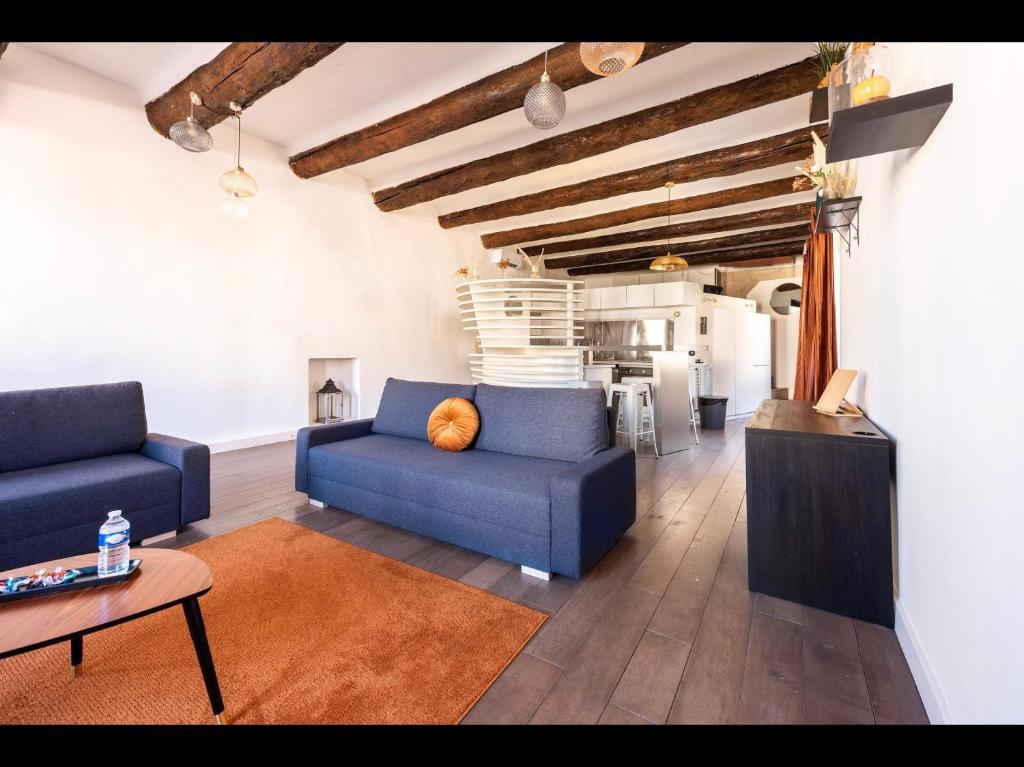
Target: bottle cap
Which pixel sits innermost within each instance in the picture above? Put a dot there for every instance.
(115, 512)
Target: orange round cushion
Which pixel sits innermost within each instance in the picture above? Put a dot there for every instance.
(453, 424)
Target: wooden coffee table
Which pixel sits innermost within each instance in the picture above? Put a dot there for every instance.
(164, 579)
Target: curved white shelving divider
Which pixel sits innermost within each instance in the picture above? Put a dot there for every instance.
(526, 330)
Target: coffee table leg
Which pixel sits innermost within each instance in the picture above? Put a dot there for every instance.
(76, 656)
(194, 618)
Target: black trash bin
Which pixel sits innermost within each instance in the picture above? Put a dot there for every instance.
(712, 411)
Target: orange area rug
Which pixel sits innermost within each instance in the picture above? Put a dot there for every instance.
(303, 628)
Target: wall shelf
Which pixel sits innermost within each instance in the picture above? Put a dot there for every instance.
(841, 216)
(901, 122)
(819, 106)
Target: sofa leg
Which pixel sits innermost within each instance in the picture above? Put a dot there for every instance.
(161, 537)
(318, 504)
(536, 573)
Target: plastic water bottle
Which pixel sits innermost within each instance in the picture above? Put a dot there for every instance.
(114, 542)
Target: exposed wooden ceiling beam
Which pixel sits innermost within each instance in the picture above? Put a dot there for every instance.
(488, 97)
(725, 257)
(719, 199)
(781, 215)
(727, 161)
(242, 72)
(797, 232)
(3, 47)
(695, 109)
(755, 263)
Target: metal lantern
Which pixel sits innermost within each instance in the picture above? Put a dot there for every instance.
(330, 403)
(544, 104)
(189, 134)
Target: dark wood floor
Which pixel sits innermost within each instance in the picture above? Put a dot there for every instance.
(662, 630)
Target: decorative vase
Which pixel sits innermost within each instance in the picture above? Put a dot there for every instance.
(840, 179)
(861, 78)
(871, 67)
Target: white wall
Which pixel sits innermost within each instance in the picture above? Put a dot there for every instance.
(116, 263)
(933, 318)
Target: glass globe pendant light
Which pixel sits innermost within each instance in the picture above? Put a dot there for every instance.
(235, 208)
(236, 182)
(544, 104)
(187, 133)
(607, 59)
(668, 262)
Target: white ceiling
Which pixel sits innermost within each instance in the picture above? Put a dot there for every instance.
(362, 83)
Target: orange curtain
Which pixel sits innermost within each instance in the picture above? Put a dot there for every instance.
(816, 348)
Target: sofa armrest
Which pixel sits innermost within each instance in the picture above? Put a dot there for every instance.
(592, 505)
(192, 459)
(311, 436)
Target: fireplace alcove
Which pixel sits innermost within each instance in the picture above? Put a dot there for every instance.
(344, 371)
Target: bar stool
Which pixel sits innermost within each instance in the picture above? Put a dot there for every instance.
(649, 380)
(647, 414)
(636, 419)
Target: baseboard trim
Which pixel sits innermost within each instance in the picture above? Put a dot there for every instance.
(935, 704)
(543, 575)
(241, 444)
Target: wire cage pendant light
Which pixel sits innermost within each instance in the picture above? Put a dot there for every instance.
(669, 262)
(544, 104)
(187, 133)
(608, 59)
(236, 182)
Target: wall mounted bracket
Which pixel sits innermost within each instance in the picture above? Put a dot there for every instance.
(841, 216)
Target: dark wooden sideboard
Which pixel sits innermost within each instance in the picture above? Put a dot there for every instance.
(818, 510)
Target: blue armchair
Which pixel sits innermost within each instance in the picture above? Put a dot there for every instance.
(70, 455)
(540, 486)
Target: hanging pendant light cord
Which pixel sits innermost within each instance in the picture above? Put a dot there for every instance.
(545, 62)
(238, 145)
(670, 221)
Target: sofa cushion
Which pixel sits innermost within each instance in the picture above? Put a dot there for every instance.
(508, 490)
(39, 427)
(453, 425)
(405, 406)
(561, 424)
(48, 498)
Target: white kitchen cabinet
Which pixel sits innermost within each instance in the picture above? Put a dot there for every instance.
(679, 293)
(685, 327)
(729, 302)
(613, 297)
(591, 298)
(639, 296)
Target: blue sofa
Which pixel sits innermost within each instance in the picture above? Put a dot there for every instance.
(540, 486)
(70, 455)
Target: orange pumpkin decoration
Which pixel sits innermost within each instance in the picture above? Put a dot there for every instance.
(453, 425)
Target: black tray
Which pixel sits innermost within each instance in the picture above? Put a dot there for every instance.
(87, 579)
